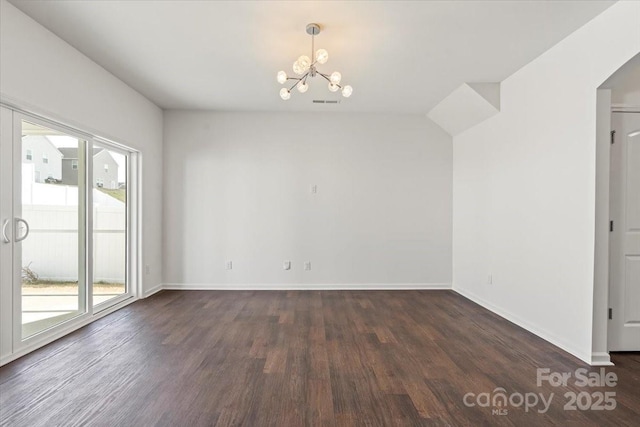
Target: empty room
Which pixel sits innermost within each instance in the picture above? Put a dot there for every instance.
(319, 213)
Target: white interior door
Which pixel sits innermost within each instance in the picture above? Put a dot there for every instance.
(624, 280)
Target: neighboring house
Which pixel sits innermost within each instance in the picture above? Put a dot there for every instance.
(105, 168)
(45, 157)
(69, 165)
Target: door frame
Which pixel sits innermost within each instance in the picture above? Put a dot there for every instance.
(134, 241)
(600, 319)
(6, 246)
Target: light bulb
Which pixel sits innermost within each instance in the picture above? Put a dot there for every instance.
(282, 77)
(347, 91)
(322, 56)
(297, 68)
(333, 87)
(303, 87)
(304, 62)
(335, 77)
(284, 93)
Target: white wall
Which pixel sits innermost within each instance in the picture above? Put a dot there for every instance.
(237, 187)
(624, 84)
(524, 186)
(627, 96)
(41, 72)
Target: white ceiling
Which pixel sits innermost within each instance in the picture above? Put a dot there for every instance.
(399, 56)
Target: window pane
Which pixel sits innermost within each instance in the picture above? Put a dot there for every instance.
(109, 224)
(52, 288)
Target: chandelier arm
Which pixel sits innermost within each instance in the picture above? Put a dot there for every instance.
(326, 77)
(299, 80)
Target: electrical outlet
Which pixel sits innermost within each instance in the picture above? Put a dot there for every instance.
(490, 279)
(314, 189)
(229, 265)
(286, 265)
(147, 269)
(307, 266)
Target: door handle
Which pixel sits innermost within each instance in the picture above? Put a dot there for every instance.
(5, 238)
(26, 224)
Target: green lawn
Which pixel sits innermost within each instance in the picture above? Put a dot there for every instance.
(119, 194)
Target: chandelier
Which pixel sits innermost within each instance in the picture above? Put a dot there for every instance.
(306, 68)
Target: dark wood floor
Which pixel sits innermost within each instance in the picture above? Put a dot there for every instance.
(315, 358)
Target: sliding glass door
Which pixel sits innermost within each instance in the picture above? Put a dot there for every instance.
(66, 213)
(49, 227)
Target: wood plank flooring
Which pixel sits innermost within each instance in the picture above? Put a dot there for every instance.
(299, 358)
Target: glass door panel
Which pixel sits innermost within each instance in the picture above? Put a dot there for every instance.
(109, 224)
(50, 228)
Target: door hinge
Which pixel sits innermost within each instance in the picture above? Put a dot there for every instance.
(610, 313)
(610, 226)
(613, 136)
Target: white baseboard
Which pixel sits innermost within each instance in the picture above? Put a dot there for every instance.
(303, 286)
(152, 291)
(545, 335)
(601, 359)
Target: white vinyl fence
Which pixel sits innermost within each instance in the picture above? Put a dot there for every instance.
(51, 249)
